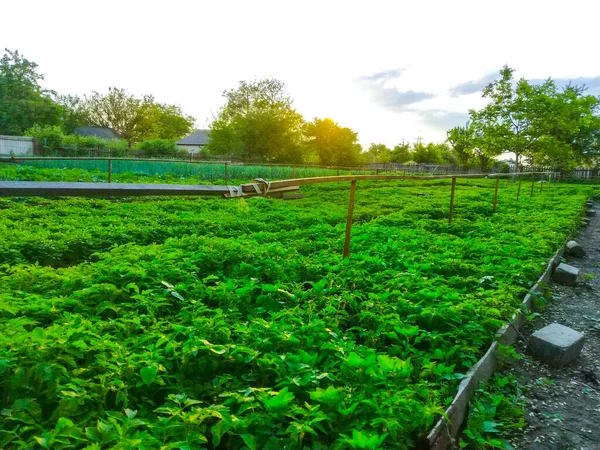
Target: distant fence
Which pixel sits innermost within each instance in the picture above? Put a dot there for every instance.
(16, 145)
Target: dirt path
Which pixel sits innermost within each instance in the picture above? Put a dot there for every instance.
(563, 405)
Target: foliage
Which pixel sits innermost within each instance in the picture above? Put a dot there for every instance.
(159, 147)
(545, 125)
(258, 123)
(496, 411)
(136, 119)
(198, 323)
(461, 139)
(51, 139)
(378, 153)
(23, 102)
(401, 153)
(332, 144)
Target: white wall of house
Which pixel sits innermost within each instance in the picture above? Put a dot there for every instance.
(16, 145)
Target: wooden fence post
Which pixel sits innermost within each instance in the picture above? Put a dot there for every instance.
(294, 172)
(349, 219)
(532, 184)
(226, 174)
(109, 170)
(496, 194)
(541, 182)
(519, 189)
(452, 200)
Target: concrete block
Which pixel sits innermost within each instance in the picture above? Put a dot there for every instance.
(590, 212)
(565, 274)
(556, 344)
(575, 249)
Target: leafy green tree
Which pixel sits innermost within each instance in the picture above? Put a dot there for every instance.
(401, 153)
(428, 154)
(161, 121)
(539, 122)
(23, 102)
(379, 153)
(461, 139)
(117, 110)
(136, 119)
(258, 122)
(73, 112)
(332, 144)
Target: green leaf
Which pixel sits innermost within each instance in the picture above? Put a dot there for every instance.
(149, 375)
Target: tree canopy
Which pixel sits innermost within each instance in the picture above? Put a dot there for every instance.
(23, 102)
(546, 125)
(258, 123)
(332, 144)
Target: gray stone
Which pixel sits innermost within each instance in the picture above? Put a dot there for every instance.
(585, 221)
(556, 344)
(565, 274)
(590, 212)
(589, 203)
(575, 249)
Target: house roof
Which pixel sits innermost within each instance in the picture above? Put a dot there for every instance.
(103, 133)
(198, 137)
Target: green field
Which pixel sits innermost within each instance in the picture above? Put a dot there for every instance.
(212, 323)
(156, 171)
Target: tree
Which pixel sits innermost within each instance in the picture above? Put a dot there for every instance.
(430, 153)
(23, 102)
(332, 144)
(136, 119)
(73, 112)
(401, 153)
(259, 123)
(379, 153)
(461, 139)
(161, 121)
(117, 110)
(540, 122)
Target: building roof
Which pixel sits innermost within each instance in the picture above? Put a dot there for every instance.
(99, 132)
(198, 137)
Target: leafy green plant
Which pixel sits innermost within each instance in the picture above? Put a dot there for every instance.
(236, 324)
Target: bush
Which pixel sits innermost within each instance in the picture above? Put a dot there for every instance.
(159, 147)
(51, 140)
(48, 137)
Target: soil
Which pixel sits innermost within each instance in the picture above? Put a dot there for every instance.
(563, 404)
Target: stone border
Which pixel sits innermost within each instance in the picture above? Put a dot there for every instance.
(444, 432)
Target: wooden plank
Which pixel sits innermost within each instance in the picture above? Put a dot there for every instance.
(58, 189)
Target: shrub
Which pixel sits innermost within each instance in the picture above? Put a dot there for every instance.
(159, 147)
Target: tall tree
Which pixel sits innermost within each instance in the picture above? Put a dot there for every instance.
(136, 119)
(258, 122)
(379, 153)
(545, 125)
(401, 153)
(332, 144)
(73, 112)
(23, 102)
(461, 139)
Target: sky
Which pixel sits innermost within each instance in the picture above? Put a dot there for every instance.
(392, 71)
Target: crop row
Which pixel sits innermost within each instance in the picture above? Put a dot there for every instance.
(208, 323)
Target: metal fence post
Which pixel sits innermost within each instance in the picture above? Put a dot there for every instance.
(109, 170)
(519, 189)
(349, 219)
(226, 175)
